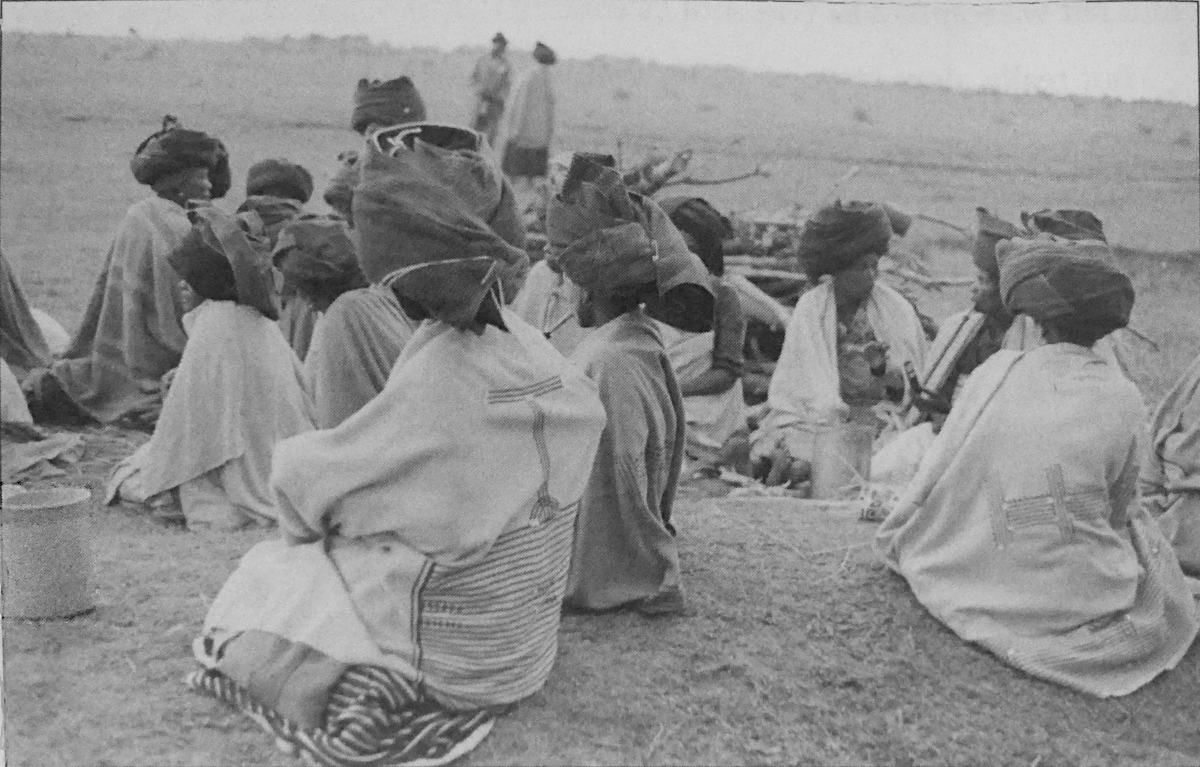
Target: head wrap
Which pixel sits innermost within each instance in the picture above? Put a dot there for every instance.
(339, 195)
(706, 226)
(900, 221)
(1052, 279)
(606, 239)
(174, 148)
(285, 178)
(226, 257)
(989, 231)
(440, 226)
(544, 54)
(386, 103)
(274, 212)
(316, 256)
(500, 38)
(1070, 224)
(838, 235)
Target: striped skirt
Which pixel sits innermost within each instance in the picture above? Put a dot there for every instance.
(374, 717)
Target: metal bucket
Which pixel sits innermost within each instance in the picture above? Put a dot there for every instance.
(45, 553)
(841, 459)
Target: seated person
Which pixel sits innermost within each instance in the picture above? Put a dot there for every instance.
(417, 589)
(1170, 477)
(362, 329)
(131, 333)
(1022, 530)
(237, 392)
(847, 344)
(624, 253)
(22, 344)
(709, 365)
(277, 190)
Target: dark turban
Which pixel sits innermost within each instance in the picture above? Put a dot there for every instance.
(279, 178)
(274, 212)
(607, 239)
(173, 149)
(316, 257)
(386, 103)
(704, 224)
(440, 226)
(339, 195)
(227, 258)
(1071, 224)
(544, 54)
(838, 235)
(990, 230)
(1076, 282)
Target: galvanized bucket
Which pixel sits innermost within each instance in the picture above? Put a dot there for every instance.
(45, 553)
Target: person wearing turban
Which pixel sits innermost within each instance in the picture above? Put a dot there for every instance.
(847, 344)
(237, 392)
(131, 333)
(1022, 530)
(491, 79)
(529, 120)
(630, 263)
(416, 592)
(378, 104)
(709, 365)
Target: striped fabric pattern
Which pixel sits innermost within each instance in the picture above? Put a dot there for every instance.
(375, 718)
(489, 631)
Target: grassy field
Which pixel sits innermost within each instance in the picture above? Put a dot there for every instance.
(804, 649)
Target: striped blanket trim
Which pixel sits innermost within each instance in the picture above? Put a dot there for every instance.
(375, 718)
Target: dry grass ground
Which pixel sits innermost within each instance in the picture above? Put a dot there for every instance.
(803, 649)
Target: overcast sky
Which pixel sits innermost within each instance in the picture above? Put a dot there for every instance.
(1131, 50)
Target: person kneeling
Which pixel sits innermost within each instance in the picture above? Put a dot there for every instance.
(1022, 530)
(238, 389)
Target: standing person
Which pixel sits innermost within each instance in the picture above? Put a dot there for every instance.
(491, 80)
(624, 253)
(709, 365)
(237, 392)
(1022, 530)
(529, 127)
(847, 343)
(131, 333)
(417, 590)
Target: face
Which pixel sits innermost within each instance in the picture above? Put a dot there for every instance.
(193, 184)
(985, 294)
(498, 48)
(852, 285)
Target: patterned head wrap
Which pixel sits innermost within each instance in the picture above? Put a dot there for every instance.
(317, 258)
(1068, 224)
(437, 221)
(989, 231)
(174, 148)
(386, 103)
(1052, 279)
(339, 195)
(706, 226)
(606, 239)
(228, 258)
(544, 54)
(838, 235)
(279, 176)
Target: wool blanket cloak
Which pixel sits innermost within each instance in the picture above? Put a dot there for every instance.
(805, 390)
(131, 333)
(22, 344)
(237, 392)
(440, 518)
(353, 352)
(529, 118)
(625, 546)
(1170, 478)
(1022, 530)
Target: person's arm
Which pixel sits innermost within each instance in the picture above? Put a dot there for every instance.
(729, 338)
